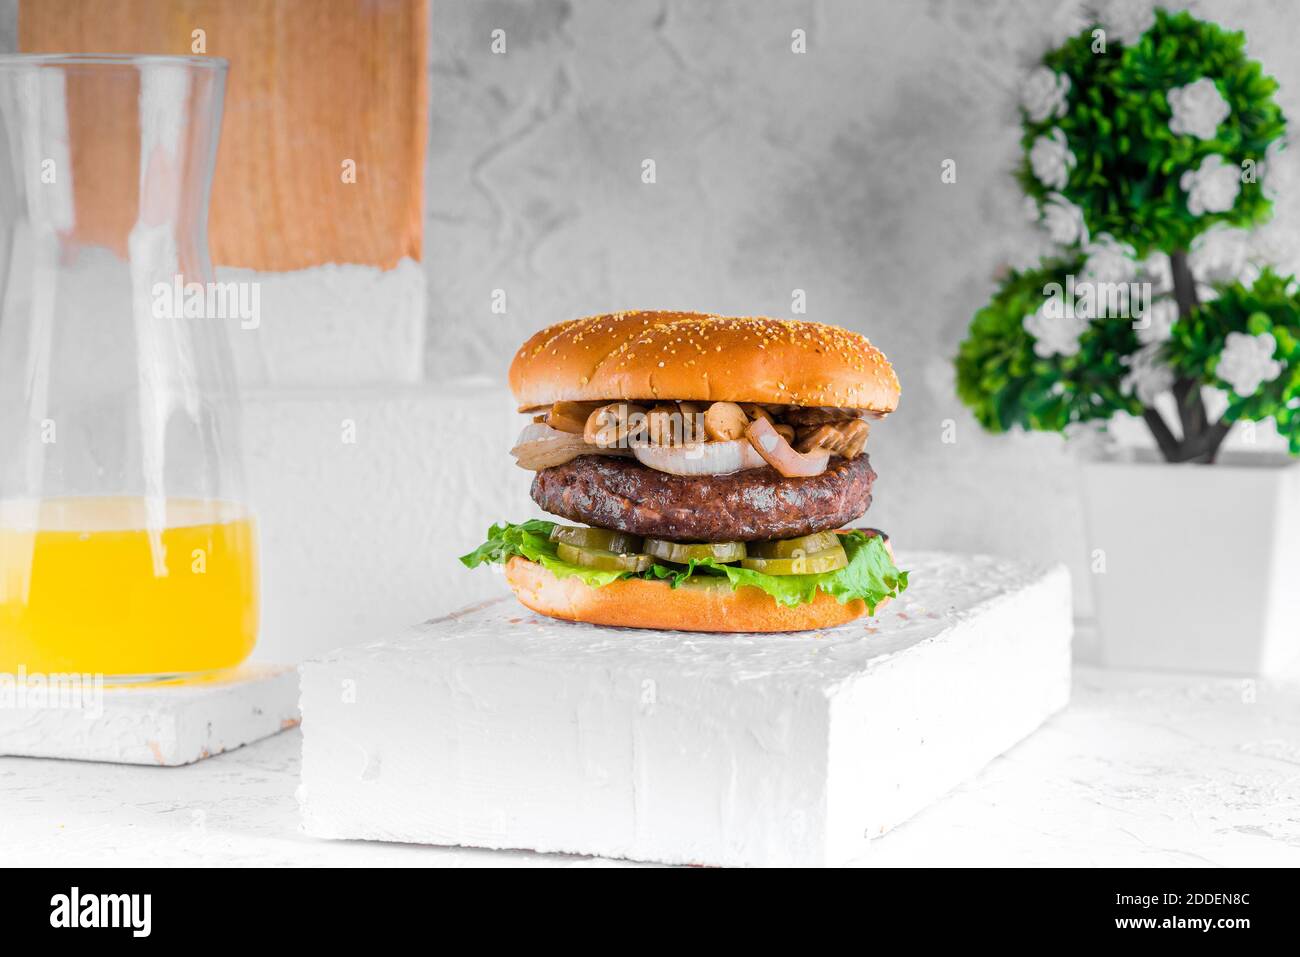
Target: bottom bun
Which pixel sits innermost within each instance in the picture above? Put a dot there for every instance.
(692, 606)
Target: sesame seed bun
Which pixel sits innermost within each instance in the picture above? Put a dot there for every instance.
(639, 603)
(649, 356)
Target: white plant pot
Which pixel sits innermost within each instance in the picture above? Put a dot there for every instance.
(1196, 567)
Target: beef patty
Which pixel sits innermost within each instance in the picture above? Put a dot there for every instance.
(753, 505)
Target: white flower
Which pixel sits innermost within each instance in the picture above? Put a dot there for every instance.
(1104, 282)
(1247, 361)
(1212, 187)
(1054, 335)
(1024, 257)
(1064, 220)
(1278, 172)
(1198, 109)
(1044, 94)
(1224, 254)
(1051, 159)
(1126, 20)
(1220, 254)
(1109, 260)
(1276, 245)
(1250, 274)
(1158, 323)
(1031, 210)
(1147, 377)
(1157, 270)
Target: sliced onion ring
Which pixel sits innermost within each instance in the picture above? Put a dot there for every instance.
(777, 452)
(541, 447)
(700, 458)
(537, 431)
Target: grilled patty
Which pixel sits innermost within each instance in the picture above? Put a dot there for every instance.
(753, 505)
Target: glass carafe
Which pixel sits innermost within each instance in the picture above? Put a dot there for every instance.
(126, 546)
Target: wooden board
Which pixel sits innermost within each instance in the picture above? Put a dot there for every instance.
(311, 84)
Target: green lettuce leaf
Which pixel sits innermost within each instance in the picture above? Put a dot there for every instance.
(531, 540)
(870, 575)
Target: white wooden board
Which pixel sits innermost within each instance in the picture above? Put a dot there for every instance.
(167, 723)
(499, 728)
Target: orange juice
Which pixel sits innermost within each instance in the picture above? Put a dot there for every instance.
(126, 586)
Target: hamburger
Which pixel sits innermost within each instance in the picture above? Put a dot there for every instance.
(706, 469)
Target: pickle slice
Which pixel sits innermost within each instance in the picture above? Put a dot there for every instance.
(600, 538)
(794, 547)
(815, 563)
(603, 560)
(682, 552)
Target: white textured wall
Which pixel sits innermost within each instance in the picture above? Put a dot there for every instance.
(775, 172)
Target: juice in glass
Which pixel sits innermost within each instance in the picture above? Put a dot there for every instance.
(124, 586)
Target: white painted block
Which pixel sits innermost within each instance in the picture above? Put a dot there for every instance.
(1148, 520)
(164, 723)
(499, 728)
(364, 499)
(340, 324)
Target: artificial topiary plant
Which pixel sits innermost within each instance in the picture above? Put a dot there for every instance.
(1141, 144)
(1248, 342)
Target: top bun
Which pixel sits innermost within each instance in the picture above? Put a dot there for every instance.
(692, 356)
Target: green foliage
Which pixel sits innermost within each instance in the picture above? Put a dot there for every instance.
(1270, 305)
(1126, 180)
(1129, 163)
(531, 540)
(1006, 384)
(870, 575)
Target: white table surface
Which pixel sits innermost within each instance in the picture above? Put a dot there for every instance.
(1139, 770)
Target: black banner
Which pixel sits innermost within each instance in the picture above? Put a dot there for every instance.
(1225, 907)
